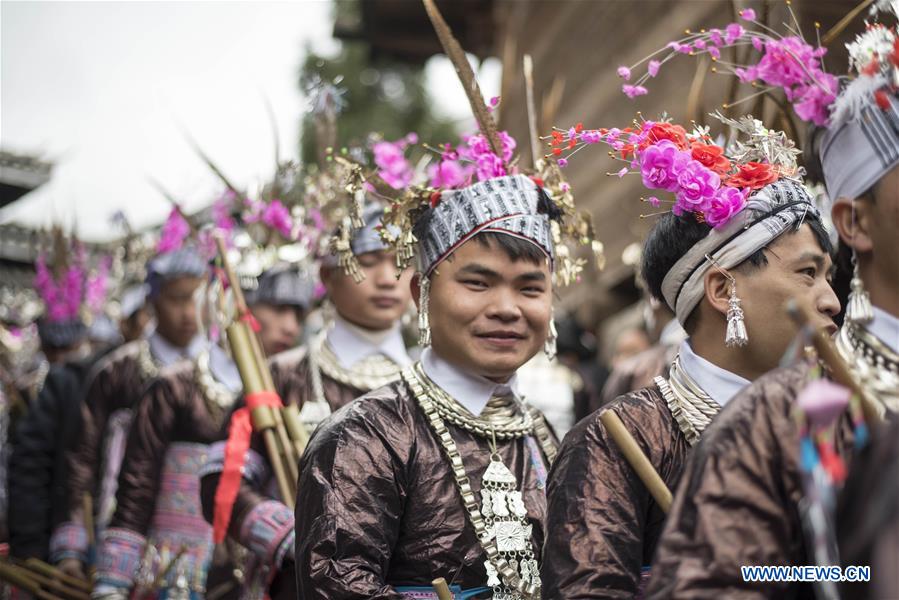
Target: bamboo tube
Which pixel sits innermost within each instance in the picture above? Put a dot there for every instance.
(838, 368)
(159, 582)
(21, 578)
(442, 589)
(256, 378)
(57, 587)
(637, 460)
(40, 566)
(238, 339)
(295, 428)
(87, 508)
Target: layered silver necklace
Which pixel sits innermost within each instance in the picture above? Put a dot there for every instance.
(692, 408)
(875, 365)
(369, 374)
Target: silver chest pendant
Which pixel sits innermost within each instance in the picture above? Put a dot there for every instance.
(505, 517)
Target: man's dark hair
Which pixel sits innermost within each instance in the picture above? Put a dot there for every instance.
(673, 236)
(514, 247)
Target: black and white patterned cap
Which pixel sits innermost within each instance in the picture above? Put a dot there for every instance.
(61, 334)
(282, 285)
(857, 153)
(367, 238)
(503, 204)
(770, 212)
(184, 262)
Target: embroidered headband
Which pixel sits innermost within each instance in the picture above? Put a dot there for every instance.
(748, 194)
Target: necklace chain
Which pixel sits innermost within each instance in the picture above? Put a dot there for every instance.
(145, 361)
(431, 398)
(217, 396)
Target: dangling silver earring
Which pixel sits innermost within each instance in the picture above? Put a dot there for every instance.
(858, 308)
(424, 323)
(736, 327)
(549, 346)
(736, 335)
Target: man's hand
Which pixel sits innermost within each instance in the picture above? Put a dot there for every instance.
(72, 567)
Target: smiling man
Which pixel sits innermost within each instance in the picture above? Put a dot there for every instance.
(725, 284)
(441, 474)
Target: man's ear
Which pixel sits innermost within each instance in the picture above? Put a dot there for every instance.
(717, 290)
(855, 235)
(415, 286)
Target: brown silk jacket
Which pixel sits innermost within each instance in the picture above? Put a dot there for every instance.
(868, 517)
(158, 497)
(378, 505)
(117, 383)
(603, 524)
(737, 503)
(113, 388)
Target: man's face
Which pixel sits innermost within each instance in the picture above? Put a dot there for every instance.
(377, 302)
(176, 310)
(280, 326)
(489, 314)
(883, 227)
(797, 269)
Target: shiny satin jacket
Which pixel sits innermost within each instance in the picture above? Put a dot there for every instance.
(738, 501)
(158, 498)
(603, 524)
(260, 521)
(378, 505)
(114, 387)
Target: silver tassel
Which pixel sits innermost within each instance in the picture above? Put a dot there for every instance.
(549, 346)
(424, 323)
(858, 307)
(736, 328)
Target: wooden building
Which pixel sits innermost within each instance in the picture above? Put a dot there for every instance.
(576, 46)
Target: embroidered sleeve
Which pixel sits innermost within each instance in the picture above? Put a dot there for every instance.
(118, 560)
(69, 540)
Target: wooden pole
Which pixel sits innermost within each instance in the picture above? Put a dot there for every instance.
(637, 460)
(838, 368)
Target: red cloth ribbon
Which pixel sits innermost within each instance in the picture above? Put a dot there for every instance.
(250, 320)
(239, 431)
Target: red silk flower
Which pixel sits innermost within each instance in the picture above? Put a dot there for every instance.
(754, 175)
(712, 157)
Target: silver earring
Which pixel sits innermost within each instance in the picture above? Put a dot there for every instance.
(424, 323)
(858, 307)
(736, 335)
(549, 346)
(736, 327)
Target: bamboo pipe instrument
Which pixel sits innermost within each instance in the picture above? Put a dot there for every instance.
(637, 460)
(838, 368)
(56, 586)
(255, 375)
(20, 578)
(87, 509)
(159, 582)
(263, 421)
(442, 589)
(40, 566)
